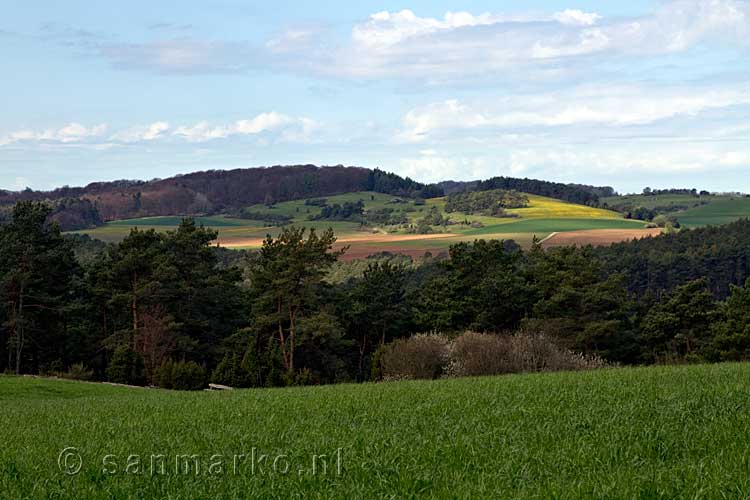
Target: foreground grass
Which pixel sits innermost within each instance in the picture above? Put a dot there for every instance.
(625, 433)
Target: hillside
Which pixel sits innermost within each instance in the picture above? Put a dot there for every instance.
(223, 191)
(690, 210)
(392, 224)
(660, 432)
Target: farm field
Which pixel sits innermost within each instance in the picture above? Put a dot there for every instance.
(597, 237)
(718, 212)
(542, 217)
(709, 210)
(661, 200)
(657, 432)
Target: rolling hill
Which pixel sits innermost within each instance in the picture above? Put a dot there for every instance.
(542, 217)
(222, 191)
(689, 210)
(390, 213)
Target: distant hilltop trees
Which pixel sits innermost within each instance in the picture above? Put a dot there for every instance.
(574, 193)
(231, 191)
(214, 191)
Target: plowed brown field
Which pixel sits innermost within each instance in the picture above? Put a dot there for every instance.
(598, 237)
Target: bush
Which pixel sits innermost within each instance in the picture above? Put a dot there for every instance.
(78, 371)
(475, 354)
(181, 376)
(126, 367)
(418, 357)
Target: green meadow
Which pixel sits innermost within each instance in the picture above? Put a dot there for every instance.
(546, 226)
(708, 210)
(715, 213)
(661, 200)
(657, 432)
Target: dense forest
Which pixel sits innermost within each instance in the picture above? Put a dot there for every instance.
(574, 193)
(211, 192)
(171, 309)
(491, 203)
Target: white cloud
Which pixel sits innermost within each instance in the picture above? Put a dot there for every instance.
(664, 159)
(71, 133)
(286, 128)
(623, 165)
(455, 46)
(577, 17)
(264, 122)
(463, 45)
(437, 168)
(140, 133)
(385, 29)
(616, 106)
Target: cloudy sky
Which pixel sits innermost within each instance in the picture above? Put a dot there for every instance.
(626, 94)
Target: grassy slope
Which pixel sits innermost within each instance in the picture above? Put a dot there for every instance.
(721, 211)
(662, 200)
(667, 432)
(717, 210)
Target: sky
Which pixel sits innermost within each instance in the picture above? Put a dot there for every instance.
(627, 94)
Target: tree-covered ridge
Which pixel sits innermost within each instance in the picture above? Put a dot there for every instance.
(219, 191)
(719, 254)
(574, 193)
(491, 203)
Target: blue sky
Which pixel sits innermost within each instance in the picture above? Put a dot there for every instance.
(626, 94)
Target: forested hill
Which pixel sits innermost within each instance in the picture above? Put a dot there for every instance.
(718, 254)
(217, 191)
(574, 193)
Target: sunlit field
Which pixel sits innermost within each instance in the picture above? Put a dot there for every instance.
(618, 433)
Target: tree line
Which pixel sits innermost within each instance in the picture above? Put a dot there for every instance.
(212, 192)
(173, 310)
(491, 203)
(574, 193)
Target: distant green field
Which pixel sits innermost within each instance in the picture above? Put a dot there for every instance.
(662, 200)
(701, 210)
(722, 211)
(659, 432)
(540, 226)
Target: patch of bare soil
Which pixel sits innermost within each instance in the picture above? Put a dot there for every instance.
(598, 237)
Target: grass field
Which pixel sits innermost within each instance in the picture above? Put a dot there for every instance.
(542, 217)
(717, 212)
(546, 226)
(662, 200)
(659, 432)
(701, 211)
